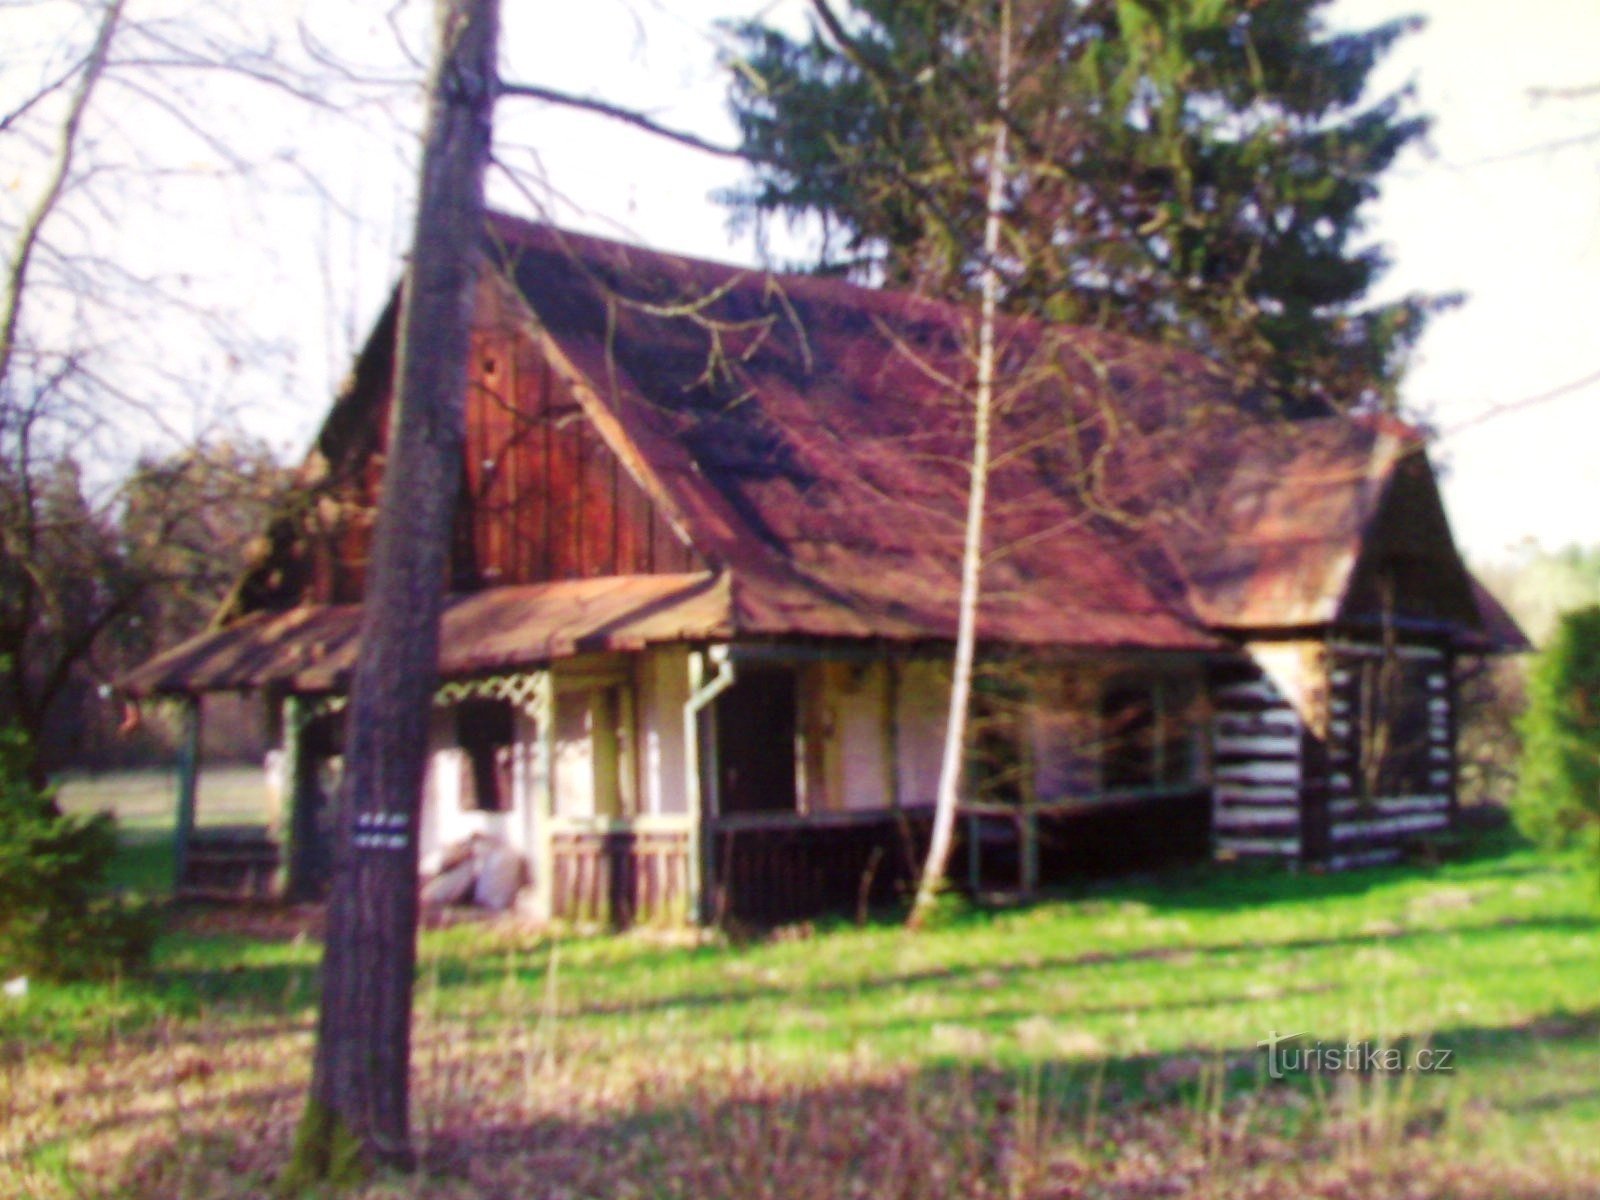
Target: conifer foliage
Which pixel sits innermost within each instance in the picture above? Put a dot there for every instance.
(1190, 170)
(56, 920)
(1558, 789)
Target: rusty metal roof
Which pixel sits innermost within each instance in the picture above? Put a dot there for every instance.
(1499, 632)
(814, 437)
(313, 648)
(813, 440)
(1277, 518)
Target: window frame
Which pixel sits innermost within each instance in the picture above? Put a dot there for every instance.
(1174, 732)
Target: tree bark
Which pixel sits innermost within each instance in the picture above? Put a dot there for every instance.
(358, 1112)
(955, 736)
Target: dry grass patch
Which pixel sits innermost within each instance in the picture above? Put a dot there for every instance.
(1100, 1046)
(205, 1111)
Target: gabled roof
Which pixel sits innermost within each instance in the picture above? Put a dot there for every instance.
(814, 438)
(810, 440)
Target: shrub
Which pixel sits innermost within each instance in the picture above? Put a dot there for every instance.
(1558, 786)
(56, 920)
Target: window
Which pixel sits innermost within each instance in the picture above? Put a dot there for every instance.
(1391, 726)
(485, 730)
(998, 761)
(1149, 733)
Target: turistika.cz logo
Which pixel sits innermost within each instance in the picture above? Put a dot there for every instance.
(1289, 1054)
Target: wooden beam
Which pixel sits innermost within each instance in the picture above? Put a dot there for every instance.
(188, 790)
(544, 795)
(891, 727)
(294, 875)
(700, 762)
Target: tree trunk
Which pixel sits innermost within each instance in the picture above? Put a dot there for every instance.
(358, 1112)
(955, 735)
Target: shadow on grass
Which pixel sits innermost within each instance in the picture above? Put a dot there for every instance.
(1229, 887)
(498, 1124)
(261, 961)
(208, 979)
(289, 988)
(144, 861)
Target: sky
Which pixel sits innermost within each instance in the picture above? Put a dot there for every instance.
(301, 248)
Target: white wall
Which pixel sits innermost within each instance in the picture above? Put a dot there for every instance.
(660, 679)
(844, 728)
(573, 757)
(444, 821)
(924, 709)
(663, 689)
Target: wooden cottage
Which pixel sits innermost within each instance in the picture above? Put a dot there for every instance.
(703, 592)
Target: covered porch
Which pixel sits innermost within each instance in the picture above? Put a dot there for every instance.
(642, 768)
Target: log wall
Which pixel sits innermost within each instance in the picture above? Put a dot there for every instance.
(1376, 812)
(1257, 753)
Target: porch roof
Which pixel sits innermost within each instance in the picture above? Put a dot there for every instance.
(313, 648)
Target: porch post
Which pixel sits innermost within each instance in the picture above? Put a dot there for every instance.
(543, 708)
(701, 776)
(891, 726)
(695, 908)
(1030, 842)
(1030, 800)
(188, 787)
(295, 821)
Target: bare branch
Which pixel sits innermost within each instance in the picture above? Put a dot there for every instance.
(1565, 143)
(33, 226)
(38, 97)
(1578, 92)
(1527, 402)
(627, 116)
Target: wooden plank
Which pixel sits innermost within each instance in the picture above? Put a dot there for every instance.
(1344, 831)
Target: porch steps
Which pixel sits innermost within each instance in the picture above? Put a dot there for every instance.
(230, 862)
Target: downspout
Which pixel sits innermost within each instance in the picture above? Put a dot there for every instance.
(702, 692)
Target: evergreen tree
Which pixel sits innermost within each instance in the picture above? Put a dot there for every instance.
(56, 918)
(1188, 170)
(1558, 788)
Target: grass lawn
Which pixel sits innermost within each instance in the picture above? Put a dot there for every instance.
(1104, 1043)
(145, 804)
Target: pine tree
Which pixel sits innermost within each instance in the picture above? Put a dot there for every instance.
(57, 919)
(1194, 171)
(1558, 788)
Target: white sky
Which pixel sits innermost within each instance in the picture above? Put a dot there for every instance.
(1518, 232)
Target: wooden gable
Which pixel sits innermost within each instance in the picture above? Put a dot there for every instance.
(543, 497)
(1409, 569)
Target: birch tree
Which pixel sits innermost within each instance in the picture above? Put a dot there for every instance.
(953, 758)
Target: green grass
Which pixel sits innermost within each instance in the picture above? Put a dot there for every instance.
(146, 799)
(1137, 992)
(1497, 958)
(145, 803)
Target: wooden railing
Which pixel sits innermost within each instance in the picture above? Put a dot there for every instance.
(769, 868)
(620, 873)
